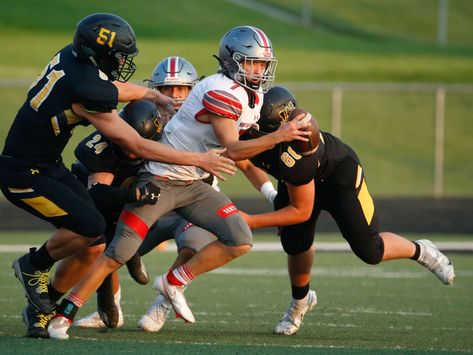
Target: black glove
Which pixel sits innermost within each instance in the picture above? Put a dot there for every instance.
(149, 194)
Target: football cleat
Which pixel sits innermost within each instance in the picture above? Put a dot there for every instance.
(94, 320)
(154, 318)
(58, 327)
(36, 322)
(434, 260)
(35, 283)
(292, 319)
(175, 295)
(137, 270)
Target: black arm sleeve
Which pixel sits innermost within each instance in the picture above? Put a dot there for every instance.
(108, 198)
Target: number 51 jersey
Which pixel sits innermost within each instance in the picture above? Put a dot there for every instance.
(44, 123)
(215, 95)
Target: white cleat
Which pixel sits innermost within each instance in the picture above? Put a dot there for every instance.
(154, 318)
(175, 295)
(292, 319)
(58, 327)
(95, 321)
(434, 260)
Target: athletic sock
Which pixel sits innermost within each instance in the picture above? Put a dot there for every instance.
(41, 258)
(417, 252)
(54, 295)
(180, 276)
(69, 307)
(299, 293)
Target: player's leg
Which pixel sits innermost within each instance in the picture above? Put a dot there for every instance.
(354, 211)
(132, 227)
(189, 239)
(300, 257)
(54, 196)
(213, 211)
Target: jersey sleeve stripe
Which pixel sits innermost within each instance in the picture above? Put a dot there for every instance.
(225, 97)
(219, 110)
(222, 104)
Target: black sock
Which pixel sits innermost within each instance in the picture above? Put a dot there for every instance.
(299, 293)
(41, 258)
(417, 252)
(54, 295)
(68, 309)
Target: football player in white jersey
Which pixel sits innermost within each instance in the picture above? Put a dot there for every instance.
(218, 109)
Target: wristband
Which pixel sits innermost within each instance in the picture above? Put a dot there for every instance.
(268, 190)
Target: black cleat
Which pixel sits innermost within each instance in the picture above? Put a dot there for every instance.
(137, 269)
(106, 306)
(34, 281)
(36, 322)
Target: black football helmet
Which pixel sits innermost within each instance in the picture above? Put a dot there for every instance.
(278, 103)
(145, 118)
(108, 42)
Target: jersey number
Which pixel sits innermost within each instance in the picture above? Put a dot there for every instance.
(97, 147)
(106, 37)
(53, 76)
(289, 158)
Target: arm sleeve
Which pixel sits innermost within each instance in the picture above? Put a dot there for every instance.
(108, 198)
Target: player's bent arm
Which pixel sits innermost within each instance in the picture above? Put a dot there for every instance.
(118, 131)
(227, 133)
(300, 209)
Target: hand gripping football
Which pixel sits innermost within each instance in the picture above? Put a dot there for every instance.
(310, 147)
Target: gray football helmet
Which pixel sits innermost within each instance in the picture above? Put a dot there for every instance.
(245, 45)
(173, 71)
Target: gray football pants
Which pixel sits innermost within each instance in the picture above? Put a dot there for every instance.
(196, 202)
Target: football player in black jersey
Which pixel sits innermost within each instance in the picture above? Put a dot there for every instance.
(107, 172)
(82, 84)
(330, 179)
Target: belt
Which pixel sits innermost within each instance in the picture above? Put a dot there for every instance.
(166, 179)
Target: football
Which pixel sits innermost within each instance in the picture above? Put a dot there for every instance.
(309, 147)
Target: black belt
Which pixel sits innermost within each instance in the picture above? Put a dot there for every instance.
(25, 163)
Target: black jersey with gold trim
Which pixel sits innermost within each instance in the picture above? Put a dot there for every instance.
(284, 163)
(44, 123)
(98, 154)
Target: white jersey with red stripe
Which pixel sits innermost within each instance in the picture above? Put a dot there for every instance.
(216, 95)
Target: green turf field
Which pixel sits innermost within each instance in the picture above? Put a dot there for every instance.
(397, 307)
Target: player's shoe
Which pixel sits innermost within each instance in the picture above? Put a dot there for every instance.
(58, 327)
(36, 322)
(34, 281)
(292, 319)
(434, 260)
(175, 295)
(154, 318)
(137, 269)
(95, 321)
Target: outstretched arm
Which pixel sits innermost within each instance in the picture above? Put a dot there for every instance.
(118, 131)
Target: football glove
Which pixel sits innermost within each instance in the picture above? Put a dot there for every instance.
(149, 194)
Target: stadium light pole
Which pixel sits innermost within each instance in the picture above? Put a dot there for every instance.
(442, 31)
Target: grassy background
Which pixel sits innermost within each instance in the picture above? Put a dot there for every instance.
(352, 41)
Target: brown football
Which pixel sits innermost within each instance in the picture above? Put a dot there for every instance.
(306, 148)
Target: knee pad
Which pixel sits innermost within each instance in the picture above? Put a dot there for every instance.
(372, 252)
